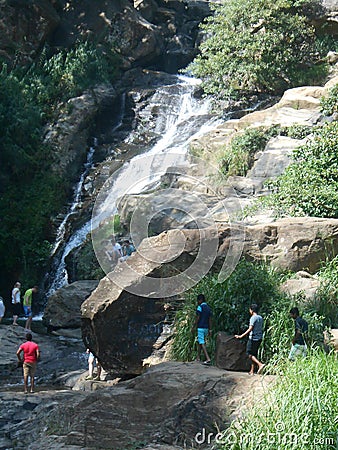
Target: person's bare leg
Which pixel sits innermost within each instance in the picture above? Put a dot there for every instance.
(32, 384)
(99, 369)
(25, 382)
(28, 323)
(252, 368)
(259, 364)
(15, 318)
(207, 357)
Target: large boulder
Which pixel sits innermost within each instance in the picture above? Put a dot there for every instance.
(231, 353)
(296, 243)
(302, 283)
(63, 309)
(124, 317)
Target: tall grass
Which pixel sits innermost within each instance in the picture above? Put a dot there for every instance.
(230, 301)
(299, 412)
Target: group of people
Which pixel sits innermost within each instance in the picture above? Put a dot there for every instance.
(116, 252)
(203, 324)
(27, 304)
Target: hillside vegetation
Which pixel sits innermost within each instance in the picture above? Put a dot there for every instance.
(263, 46)
(30, 194)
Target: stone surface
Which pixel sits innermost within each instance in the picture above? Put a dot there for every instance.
(164, 408)
(307, 285)
(231, 353)
(63, 309)
(59, 355)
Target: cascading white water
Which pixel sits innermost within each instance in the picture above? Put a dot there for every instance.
(75, 203)
(183, 118)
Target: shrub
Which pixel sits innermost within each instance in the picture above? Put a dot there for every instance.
(325, 302)
(69, 72)
(309, 186)
(230, 302)
(238, 157)
(329, 103)
(262, 46)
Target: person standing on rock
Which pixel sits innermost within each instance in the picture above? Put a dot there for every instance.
(2, 309)
(255, 332)
(31, 354)
(301, 328)
(16, 302)
(91, 359)
(27, 306)
(203, 326)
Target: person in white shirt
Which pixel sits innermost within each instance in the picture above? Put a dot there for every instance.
(2, 308)
(16, 302)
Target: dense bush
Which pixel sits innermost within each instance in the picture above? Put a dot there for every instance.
(329, 103)
(238, 157)
(262, 46)
(309, 186)
(325, 302)
(68, 73)
(230, 301)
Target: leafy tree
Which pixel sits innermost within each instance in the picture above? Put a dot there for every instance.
(261, 46)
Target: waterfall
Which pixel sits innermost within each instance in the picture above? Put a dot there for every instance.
(76, 201)
(182, 118)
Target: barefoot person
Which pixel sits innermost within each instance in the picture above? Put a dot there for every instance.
(91, 360)
(255, 332)
(31, 354)
(27, 306)
(16, 304)
(203, 325)
(2, 309)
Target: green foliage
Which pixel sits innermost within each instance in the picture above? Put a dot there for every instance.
(329, 103)
(238, 157)
(87, 267)
(279, 330)
(230, 302)
(298, 412)
(262, 46)
(296, 131)
(68, 73)
(309, 186)
(325, 302)
(29, 193)
(20, 125)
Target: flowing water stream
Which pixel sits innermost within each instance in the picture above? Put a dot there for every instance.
(180, 118)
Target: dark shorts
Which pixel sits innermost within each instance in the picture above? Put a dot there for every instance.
(252, 347)
(16, 309)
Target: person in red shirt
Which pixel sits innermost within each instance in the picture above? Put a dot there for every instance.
(31, 354)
